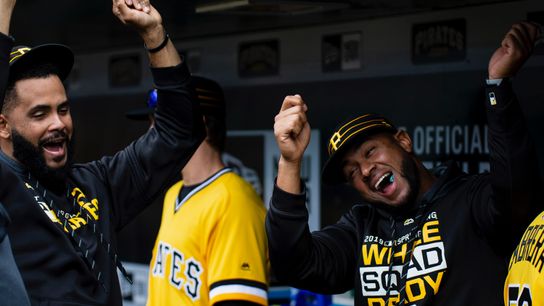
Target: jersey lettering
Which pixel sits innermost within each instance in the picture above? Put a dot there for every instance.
(517, 298)
(177, 260)
(382, 263)
(181, 273)
(193, 271)
(163, 249)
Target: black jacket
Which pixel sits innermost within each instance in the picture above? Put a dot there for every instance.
(456, 251)
(12, 289)
(116, 188)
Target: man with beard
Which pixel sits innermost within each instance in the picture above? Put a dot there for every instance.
(422, 238)
(64, 215)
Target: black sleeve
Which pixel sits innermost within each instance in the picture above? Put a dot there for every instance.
(139, 173)
(6, 43)
(236, 303)
(322, 261)
(502, 202)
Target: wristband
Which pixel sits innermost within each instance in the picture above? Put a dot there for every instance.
(159, 47)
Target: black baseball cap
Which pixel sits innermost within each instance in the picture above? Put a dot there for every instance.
(347, 134)
(205, 91)
(22, 58)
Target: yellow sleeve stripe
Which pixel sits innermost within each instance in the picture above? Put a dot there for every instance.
(238, 292)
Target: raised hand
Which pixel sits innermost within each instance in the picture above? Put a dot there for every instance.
(141, 15)
(142, 5)
(292, 133)
(515, 49)
(291, 129)
(6, 9)
(148, 22)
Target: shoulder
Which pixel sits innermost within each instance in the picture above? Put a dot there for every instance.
(173, 191)
(237, 192)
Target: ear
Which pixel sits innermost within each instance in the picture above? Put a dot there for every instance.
(404, 140)
(5, 128)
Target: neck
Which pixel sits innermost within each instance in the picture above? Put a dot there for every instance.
(204, 163)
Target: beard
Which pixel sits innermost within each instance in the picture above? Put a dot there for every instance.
(32, 157)
(411, 174)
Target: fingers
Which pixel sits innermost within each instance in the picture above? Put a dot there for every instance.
(291, 101)
(292, 118)
(522, 36)
(121, 10)
(141, 5)
(293, 107)
(291, 124)
(520, 40)
(116, 9)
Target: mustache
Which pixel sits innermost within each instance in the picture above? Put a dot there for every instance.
(54, 136)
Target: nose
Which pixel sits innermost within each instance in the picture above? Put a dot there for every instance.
(56, 123)
(366, 170)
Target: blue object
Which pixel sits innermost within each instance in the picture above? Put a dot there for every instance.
(307, 298)
(152, 99)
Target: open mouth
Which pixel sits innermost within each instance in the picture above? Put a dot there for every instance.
(384, 181)
(54, 146)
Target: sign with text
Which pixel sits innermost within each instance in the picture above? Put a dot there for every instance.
(340, 52)
(443, 41)
(260, 58)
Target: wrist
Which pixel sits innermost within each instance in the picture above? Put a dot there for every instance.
(161, 46)
(289, 175)
(289, 165)
(153, 36)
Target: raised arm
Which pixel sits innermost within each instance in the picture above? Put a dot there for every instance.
(321, 261)
(148, 22)
(514, 174)
(6, 9)
(292, 133)
(142, 171)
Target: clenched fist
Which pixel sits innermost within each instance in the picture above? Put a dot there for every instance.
(515, 49)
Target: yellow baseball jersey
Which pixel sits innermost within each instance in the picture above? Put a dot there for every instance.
(525, 281)
(211, 246)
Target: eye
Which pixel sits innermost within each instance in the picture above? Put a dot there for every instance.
(38, 114)
(370, 151)
(63, 110)
(353, 172)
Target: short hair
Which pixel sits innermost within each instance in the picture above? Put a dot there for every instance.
(216, 129)
(39, 71)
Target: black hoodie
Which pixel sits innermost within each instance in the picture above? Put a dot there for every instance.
(450, 249)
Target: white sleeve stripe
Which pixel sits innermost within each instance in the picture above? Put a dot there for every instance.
(243, 289)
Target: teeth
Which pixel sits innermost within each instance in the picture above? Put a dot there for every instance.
(376, 186)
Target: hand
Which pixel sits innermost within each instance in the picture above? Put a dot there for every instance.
(7, 4)
(6, 9)
(515, 49)
(292, 130)
(141, 15)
